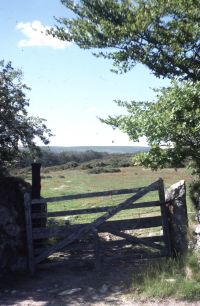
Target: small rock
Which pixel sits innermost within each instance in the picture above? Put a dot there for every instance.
(103, 289)
(197, 244)
(188, 273)
(170, 280)
(197, 229)
(70, 291)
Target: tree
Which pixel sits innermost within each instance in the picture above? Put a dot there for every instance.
(161, 34)
(171, 125)
(164, 36)
(16, 127)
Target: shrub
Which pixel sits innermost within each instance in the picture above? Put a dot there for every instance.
(43, 177)
(71, 164)
(98, 170)
(125, 163)
(194, 191)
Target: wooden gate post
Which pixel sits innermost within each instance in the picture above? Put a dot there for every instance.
(165, 216)
(38, 207)
(36, 180)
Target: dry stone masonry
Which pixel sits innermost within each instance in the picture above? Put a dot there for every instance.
(13, 254)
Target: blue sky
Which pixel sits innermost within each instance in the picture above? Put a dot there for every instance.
(70, 87)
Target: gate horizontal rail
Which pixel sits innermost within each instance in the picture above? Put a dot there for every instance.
(91, 210)
(92, 195)
(62, 231)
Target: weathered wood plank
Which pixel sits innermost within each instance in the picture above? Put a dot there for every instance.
(63, 231)
(29, 237)
(93, 210)
(131, 224)
(92, 194)
(164, 214)
(95, 224)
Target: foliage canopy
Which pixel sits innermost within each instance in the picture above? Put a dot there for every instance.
(171, 125)
(164, 35)
(16, 127)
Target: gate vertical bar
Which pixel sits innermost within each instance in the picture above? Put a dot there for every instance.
(164, 214)
(29, 236)
(97, 255)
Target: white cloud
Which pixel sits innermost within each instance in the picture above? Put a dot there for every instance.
(35, 33)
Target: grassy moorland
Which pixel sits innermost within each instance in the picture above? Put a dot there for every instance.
(68, 181)
(64, 182)
(79, 181)
(177, 278)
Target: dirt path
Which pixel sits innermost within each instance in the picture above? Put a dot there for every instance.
(77, 286)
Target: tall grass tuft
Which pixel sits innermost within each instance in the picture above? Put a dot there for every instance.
(179, 278)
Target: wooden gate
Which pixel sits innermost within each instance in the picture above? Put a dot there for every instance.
(71, 236)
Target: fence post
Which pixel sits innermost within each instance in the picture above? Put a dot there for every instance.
(38, 208)
(165, 216)
(29, 236)
(36, 180)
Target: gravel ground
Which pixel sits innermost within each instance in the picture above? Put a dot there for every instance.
(62, 285)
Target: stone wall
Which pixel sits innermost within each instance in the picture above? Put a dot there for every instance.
(13, 250)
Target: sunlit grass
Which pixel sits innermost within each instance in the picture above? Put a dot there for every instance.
(179, 278)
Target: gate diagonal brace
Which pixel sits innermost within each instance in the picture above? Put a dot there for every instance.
(136, 240)
(85, 229)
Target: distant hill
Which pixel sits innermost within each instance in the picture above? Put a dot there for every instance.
(107, 149)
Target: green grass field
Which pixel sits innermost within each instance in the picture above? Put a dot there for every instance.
(65, 182)
(79, 181)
